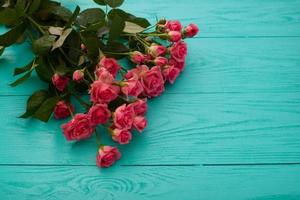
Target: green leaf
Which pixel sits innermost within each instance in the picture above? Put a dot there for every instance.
(12, 35)
(43, 70)
(100, 2)
(58, 43)
(34, 102)
(20, 7)
(8, 16)
(90, 16)
(116, 47)
(129, 17)
(114, 3)
(2, 48)
(117, 26)
(132, 28)
(34, 6)
(45, 110)
(30, 66)
(43, 44)
(93, 45)
(73, 17)
(61, 12)
(21, 80)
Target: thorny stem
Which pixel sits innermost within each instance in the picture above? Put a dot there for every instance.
(89, 75)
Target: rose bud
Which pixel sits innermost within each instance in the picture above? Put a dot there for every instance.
(102, 92)
(78, 75)
(153, 82)
(137, 57)
(139, 106)
(162, 21)
(139, 123)
(99, 114)
(83, 47)
(191, 30)
(174, 36)
(178, 51)
(160, 61)
(122, 136)
(63, 110)
(78, 128)
(173, 25)
(132, 87)
(60, 82)
(171, 73)
(156, 50)
(110, 64)
(123, 117)
(107, 156)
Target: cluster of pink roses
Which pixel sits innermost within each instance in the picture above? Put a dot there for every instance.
(155, 66)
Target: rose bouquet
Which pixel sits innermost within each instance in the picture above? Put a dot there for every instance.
(77, 55)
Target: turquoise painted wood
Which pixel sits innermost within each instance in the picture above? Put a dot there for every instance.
(229, 128)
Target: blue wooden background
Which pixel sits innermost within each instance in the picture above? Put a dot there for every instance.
(229, 128)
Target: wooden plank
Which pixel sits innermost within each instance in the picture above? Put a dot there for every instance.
(141, 183)
(259, 65)
(221, 18)
(204, 128)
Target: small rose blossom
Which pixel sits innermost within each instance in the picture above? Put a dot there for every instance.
(139, 123)
(173, 25)
(123, 117)
(99, 114)
(171, 73)
(140, 106)
(122, 136)
(110, 64)
(153, 82)
(107, 156)
(137, 57)
(78, 75)
(138, 71)
(132, 87)
(156, 50)
(62, 110)
(160, 61)
(179, 65)
(178, 51)
(102, 92)
(174, 36)
(103, 75)
(60, 82)
(191, 30)
(78, 128)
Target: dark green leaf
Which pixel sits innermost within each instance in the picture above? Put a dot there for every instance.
(58, 43)
(34, 102)
(116, 28)
(45, 110)
(21, 80)
(93, 45)
(114, 3)
(1, 50)
(20, 7)
(12, 35)
(129, 17)
(61, 12)
(26, 68)
(90, 16)
(100, 2)
(8, 16)
(44, 70)
(43, 44)
(116, 47)
(73, 18)
(34, 6)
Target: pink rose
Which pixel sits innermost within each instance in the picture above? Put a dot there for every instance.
(137, 57)
(138, 71)
(153, 82)
(104, 75)
(179, 65)
(171, 73)
(78, 128)
(132, 87)
(139, 106)
(156, 50)
(60, 82)
(78, 75)
(62, 110)
(139, 123)
(110, 64)
(102, 92)
(160, 61)
(173, 25)
(99, 114)
(83, 48)
(121, 136)
(174, 36)
(191, 30)
(178, 51)
(123, 117)
(107, 156)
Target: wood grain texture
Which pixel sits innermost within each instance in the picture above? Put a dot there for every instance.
(143, 183)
